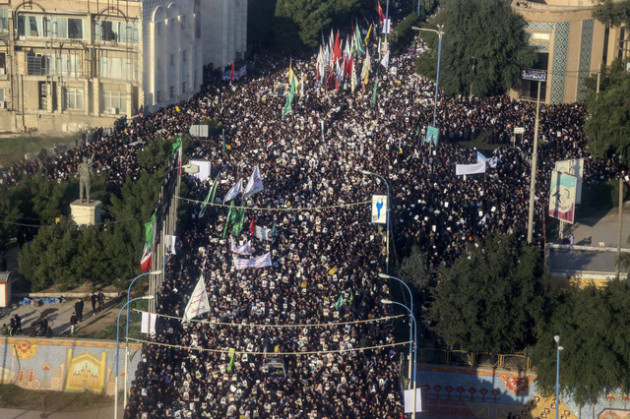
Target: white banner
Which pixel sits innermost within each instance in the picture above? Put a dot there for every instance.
(170, 244)
(254, 184)
(262, 233)
(257, 262)
(198, 303)
(470, 169)
(379, 209)
(148, 322)
(234, 191)
(243, 249)
(204, 169)
(409, 400)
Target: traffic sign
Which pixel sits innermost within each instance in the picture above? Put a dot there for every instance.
(534, 75)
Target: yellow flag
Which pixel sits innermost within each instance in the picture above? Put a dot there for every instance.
(177, 108)
(368, 34)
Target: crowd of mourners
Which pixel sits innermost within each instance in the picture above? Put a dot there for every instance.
(309, 336)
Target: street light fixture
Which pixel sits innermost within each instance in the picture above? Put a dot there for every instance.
(440, 32)
(146, 297)
(415, 349)
(385, 276)
(127, 330)
(389, 203)
(558, 349)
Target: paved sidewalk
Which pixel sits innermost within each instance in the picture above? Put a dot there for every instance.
(102, 412)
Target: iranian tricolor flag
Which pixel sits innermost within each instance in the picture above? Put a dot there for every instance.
(147, 253)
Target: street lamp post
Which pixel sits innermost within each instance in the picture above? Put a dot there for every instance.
(440, 32)
(146, 297)
(385, 276)
(389, 203)
(539, 76)
(415, 349)
(127, 330)
(558, 349)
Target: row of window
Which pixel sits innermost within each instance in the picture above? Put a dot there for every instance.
(74, 28)
(73, 99)
(69, 65)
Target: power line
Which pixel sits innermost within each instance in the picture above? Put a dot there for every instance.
(288, 209)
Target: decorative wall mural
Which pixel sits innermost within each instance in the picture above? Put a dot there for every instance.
(86, 372)
(24, 349)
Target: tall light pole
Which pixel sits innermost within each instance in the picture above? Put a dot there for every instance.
(146, 297)
(385, 276)
(389, 203)
(415, 349)
(127, 330)
(539, 76)
(440, 32)
(558, 349)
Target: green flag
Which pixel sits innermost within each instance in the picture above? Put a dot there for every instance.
(231, 216)
(232, 356)
(239, 221)
(177, 145)
(148, 230)
(357, 38)
(373, 101)
(210, 197)
(293, 86)
(340, 302)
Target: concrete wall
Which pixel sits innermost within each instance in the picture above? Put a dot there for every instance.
(64, 364)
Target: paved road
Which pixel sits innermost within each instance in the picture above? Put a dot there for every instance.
(581, 260)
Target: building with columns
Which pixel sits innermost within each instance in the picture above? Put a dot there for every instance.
(69, 65)
(571, 46)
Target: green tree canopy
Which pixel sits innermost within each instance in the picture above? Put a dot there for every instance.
(483, 49)
(310, 19)
(607, 127)
(594, 330)
(613, 11)
(491, 298)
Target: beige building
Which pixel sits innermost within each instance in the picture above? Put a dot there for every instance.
(571, 45)
(68, 65)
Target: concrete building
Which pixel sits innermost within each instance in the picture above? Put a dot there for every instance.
(571, 46)
(69, 65)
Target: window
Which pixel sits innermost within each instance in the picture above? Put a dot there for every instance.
(73, 98)
(184, 56)
(183, 87)
(158, 97)
(2, 99)
(3, 62)
(122, 32)
(75, 29)
(171, 91)
(114, 99)
(31, 26)
(4, 20)
(172, 59)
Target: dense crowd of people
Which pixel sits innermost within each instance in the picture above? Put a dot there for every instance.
(319, 306)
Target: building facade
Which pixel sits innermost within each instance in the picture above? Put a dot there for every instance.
(69, 65)
(571, 46)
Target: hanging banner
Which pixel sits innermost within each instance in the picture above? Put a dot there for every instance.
(470, 169)
(257, 262)
(198, 303)
(573, 167)
(562, 192)
(432, 135)
(379, 209)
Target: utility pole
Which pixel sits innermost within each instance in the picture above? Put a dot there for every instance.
(618, 273)
(539, 76)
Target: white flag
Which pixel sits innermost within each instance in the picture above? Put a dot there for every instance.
(234, 191)
(170, 244)
(385, 60)
(470, 169)
(244, 249)
(254, 184)
(148, 322)
(262, 233)
(198, 303)
(257, 262)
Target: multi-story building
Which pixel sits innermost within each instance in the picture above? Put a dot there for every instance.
(67, 65)
(571, 46)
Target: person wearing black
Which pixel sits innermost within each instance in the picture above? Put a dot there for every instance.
(13, 326)
(18, 323)
(73, 322)
(101, 301)
(77, 310)
(93, 299)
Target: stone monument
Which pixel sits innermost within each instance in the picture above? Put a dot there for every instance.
(84, 211)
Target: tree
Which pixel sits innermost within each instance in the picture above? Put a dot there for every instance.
(259, 31)
(483, 50)
(10, 214)
(594, 330)
(607, 127)
(413, 269)
(309, 19)
(490, 299)
(614, 11)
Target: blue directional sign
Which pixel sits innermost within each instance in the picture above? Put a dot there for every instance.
(534, 75)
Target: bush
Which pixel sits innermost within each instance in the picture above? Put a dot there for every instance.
(402, 35)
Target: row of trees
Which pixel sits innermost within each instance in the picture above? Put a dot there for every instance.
(61, 253)
(498, 298)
